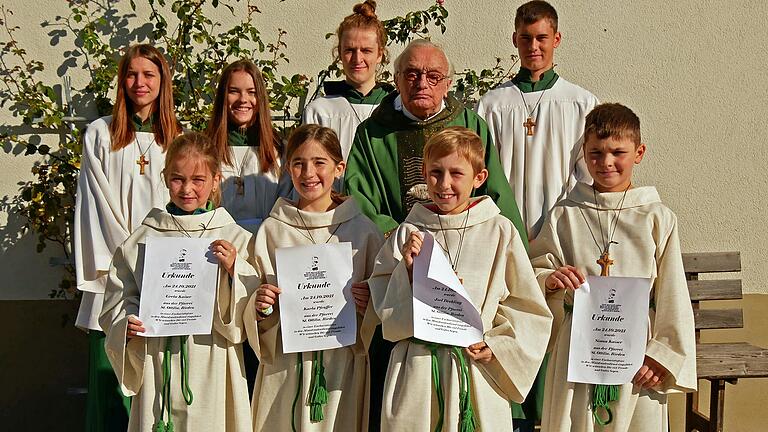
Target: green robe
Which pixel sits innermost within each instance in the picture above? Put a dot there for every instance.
(384, 171)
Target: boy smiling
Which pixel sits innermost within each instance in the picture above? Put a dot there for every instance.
(630, 224)
(487, 253)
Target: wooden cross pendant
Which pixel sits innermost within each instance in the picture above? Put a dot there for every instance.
(240, 185)
(605, 262)
(142, 162)
(530, 126)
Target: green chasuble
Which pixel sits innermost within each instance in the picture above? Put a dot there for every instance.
(384, 168)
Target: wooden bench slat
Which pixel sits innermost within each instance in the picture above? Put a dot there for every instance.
(718, 318)
(714, 289)
(731, 361)
(711, 262)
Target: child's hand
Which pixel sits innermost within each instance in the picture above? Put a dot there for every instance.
(266, 297)
(479, 352)
(134, 326)
(411, 248)
(566, 277)
(226, 252)
(361, 293)
(650, 374)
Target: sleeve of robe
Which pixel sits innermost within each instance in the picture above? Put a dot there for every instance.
(369, 319)
(522, 323)
(547, 256)
(391, 292)
(673, 342)
(99, 224)
(363, 180)
(121, 299)
(497, 184)
(233, 295)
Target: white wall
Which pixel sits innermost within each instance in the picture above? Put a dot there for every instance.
(692, 70)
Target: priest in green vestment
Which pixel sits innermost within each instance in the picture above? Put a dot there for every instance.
(384, 167)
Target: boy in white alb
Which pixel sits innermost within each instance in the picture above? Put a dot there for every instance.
(630, 229)
(440, 387)
(537, 119)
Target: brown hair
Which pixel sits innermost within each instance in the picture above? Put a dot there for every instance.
(612, 120)
(456, 139)
(534, 11)
(121, 129)
(363, 16)
(269, 141)
(199, 145)
(325, 136)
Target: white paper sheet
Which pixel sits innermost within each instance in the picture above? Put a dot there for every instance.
(178, 286)
(609, 330)
(442, 309)
(317, 311)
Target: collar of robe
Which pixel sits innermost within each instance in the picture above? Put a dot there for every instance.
(344, 89)
(176, 211)
(523, 80)
(147, 125)
(239, 136)
(387, 114)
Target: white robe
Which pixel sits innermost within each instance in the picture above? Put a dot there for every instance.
(346, 369)
(260, 189)
(337, 113)
(216, 371)
(516, 322)
(648, 246)
(112, 200)
(541, 168)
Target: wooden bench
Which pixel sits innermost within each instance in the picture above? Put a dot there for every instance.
(718, 362)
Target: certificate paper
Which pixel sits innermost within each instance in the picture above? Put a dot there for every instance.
(442, 309)
(609, 331)
(317, 311)
(178, 287)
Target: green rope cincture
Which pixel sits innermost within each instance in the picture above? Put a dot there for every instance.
(602, 396)
(467, 421)
(161, 425)
(300, 374)
(318, 391)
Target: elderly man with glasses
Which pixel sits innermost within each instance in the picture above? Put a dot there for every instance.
(384, 167)
(384, 171)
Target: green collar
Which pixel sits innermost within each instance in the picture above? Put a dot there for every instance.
(143, 126)
(523, 80)
(243, 137)
(386, 114)
(344, 89)
(176, 211)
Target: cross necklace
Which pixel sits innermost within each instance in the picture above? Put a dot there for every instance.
(203, 226)
(447, 249)
(530, 124)
(239, 181)
(143, 160)
(605, 260)
(309, 233)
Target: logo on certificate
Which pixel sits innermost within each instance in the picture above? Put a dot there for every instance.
(314, 271)
(181, 262)
(610, 304)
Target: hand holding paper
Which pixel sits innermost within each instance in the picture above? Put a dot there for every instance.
(362, 293)
(411, 249)
(135, 326)
(226, 252)
(266, 297)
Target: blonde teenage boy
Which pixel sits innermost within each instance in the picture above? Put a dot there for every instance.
(640, 235)
(537, 119)
(423, 382)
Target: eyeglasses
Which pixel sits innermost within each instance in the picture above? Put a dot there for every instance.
(433, 77)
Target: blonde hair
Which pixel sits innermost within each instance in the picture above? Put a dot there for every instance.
(121, 129)
(199, 145)
(456, 139)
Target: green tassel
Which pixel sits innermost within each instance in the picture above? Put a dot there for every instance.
(159, 426)
(602, 396)
(466, 413)
(467, 419)
(169, 427)
(318, 391)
